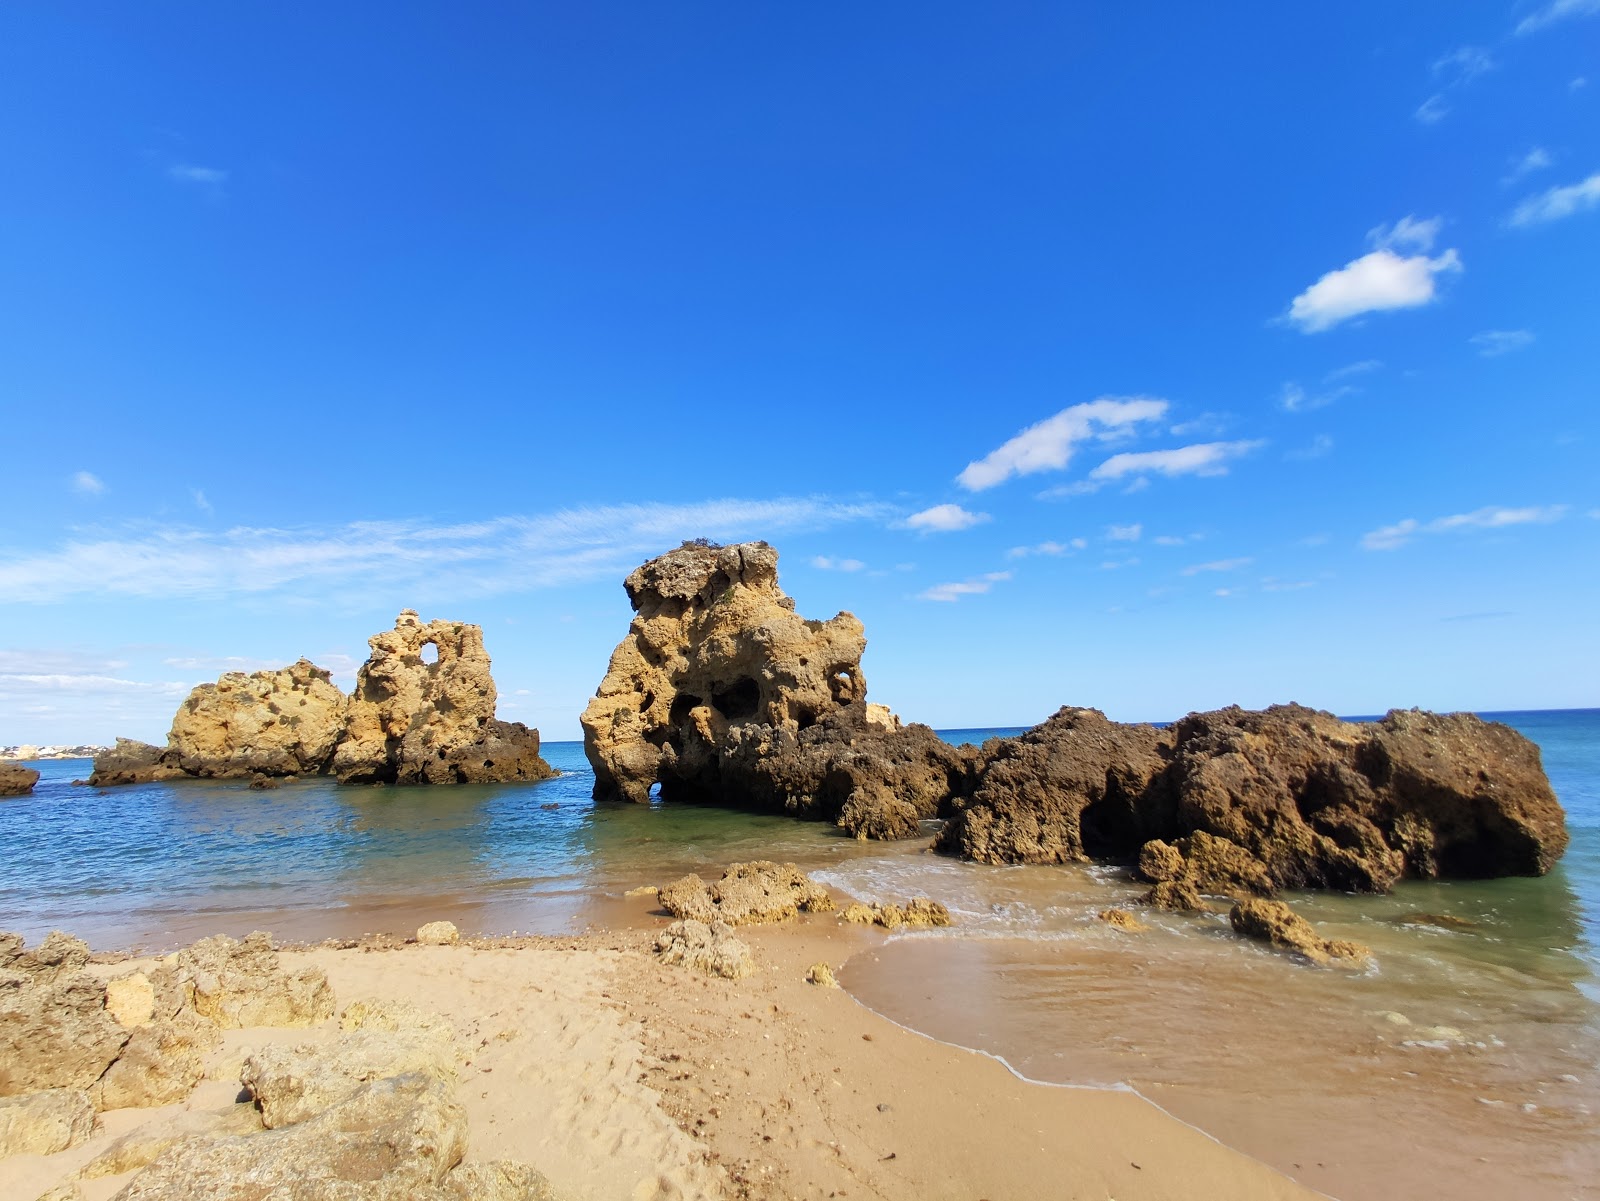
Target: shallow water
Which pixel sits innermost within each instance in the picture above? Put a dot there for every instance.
(1465, 1065)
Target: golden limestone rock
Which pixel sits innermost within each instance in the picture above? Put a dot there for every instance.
(276, 723)
(1275, 923)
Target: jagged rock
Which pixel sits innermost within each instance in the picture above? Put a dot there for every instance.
(140, 1146)
(67, 1190)
(395, 1015)
(1072, 787)
(498, 1180)
(267, 723)
(54, 1031)
(58, 954)
(714, 644)
(16, 780)
(1121, 919)
(45, 1122)
(919, 911)
(821, 975)
(265, 783)
(438, 934)
(392, 1140)
(748, 893)
(241, 983)
(160, 1063)
(414, 722)
(291, 1084)
(1276, 923)
(1179, 896)
(132, 762)
(1245, 803)
(131, 999)
(711, 949)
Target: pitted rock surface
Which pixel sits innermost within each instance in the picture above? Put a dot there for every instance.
(276, 723)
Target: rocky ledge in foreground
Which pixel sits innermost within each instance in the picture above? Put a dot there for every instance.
(1244, 803)
(408, 721)
(722, 693)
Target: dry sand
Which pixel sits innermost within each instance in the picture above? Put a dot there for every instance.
(621, 1078)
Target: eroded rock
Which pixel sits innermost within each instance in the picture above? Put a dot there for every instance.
(292, 1084)
(54, 1032)
(392, 1140)
(242, 983)
(1121, 919)
(917, 912)
(132, 762)
(438, 934)
(15, 779)
(140, 1146)
(45, 1122)
(160, 1063)
(711, 949)
(498, 1180)
(271, 723)
(1274, 922)
(748, 893)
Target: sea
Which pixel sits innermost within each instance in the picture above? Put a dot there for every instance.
(1465, 1063)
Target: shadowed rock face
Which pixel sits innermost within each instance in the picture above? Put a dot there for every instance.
(418, 716)
(1242, 803)
(16, 780)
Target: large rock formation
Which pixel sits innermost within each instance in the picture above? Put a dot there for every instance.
(1244, 803)
(16, 780)
(276, 723)
(411, 721)
(415, 722)
(721, 692)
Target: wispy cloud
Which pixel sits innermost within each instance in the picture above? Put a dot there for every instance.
(1379, 281)
(1536, 159)
(1557, 11)
(1217, 565)
(431, 562)
(1557, 203)
(87, 483)
(1321, 446)
(1049, 444)
(1361, 367)
(1293, 398)
(1493, 342)
(1393, 537)
(200, 501)
(1432, 110)
(1125, 533)
(1051, 549)
(826, 563)
(1204, 458)
(944, 519)
(1452, 72)
(976, 586)
(191, 173)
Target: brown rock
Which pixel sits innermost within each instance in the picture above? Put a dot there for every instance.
(45, 1122)
(711, 949)
(57, 955)
(822, 975)
(131, 762)
(1276, 923)
(393, 1140)
(15, 779)
(267, 723)
(748, 893)
(140, 1146)
(498, 1180)
(416, 722)
(54, 1032)
(242, 983)
(1122, 920)
(161, 1062)
(917, 912)
(291, 1084)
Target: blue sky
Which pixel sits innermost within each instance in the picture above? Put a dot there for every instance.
(1133, 356)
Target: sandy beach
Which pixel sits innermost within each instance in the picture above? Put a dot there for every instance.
(620, 1077)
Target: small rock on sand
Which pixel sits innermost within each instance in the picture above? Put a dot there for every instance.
(821, 974)
(438, 934)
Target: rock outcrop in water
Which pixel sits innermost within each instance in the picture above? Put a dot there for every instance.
(410, 721)
(16, 780)
(721, 692)
(1243, 803)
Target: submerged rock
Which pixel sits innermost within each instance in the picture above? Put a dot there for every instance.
(16, 780)
(747, 894)
(1274, 922)
(1244, 803)
(1121, 919)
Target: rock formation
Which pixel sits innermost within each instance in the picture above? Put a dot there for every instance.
(45, 1122)
(748, 894)
(16, 780)
(1275, 923)
(1242, 803)
(711, 949)
(917, 912)
(410, 721)
(721, 692)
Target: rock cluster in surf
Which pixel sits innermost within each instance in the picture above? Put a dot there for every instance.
(409, 721)
(721, 693)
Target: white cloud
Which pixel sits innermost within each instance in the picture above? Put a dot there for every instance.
(1177, 539)
(1295, 399)
(945, 519)
(1118, 564)
(1052, 549)
(1556, 203)
(1124, 533)
(825, 563)
(1493, 342)
(1536, 159)
(1375, 282)
(1392, 537)
(88, 483)
(1204, 458)
(1363, 367)
(1463, 64)
(977, 586)
(433, 563)
(1217, 565)
(1049, 444)
(200, 501)
(1557, 10)
(204, 176)
(1408, 233)
(1432, 110)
